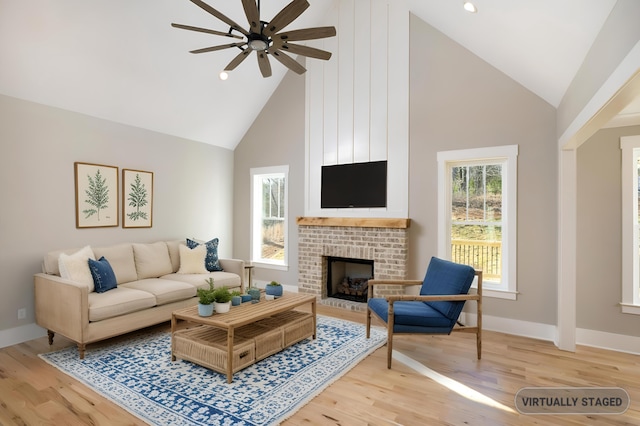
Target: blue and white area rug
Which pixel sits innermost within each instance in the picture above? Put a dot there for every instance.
(138, 375)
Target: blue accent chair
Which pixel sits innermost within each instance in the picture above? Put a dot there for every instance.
(435, 310)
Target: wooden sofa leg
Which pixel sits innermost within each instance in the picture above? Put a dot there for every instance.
(50, 335)
(81, 349)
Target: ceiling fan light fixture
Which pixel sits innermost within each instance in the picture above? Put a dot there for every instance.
(470, 7)
(223, 75)
(258, 42)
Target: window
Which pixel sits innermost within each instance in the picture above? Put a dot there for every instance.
(477, 213)
(269, 208)
(630, 146)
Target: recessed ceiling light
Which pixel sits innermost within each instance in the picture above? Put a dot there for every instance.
(469, 7)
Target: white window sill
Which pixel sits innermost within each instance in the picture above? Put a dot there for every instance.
(498, 294)
(628, 308)
(274, 266)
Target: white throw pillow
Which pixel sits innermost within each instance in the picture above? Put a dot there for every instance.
(192, 260)
(75, 267)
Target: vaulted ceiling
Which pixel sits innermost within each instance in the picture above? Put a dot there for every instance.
(122, 61)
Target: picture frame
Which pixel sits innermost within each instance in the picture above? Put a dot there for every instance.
(97, 196)
(137, 199)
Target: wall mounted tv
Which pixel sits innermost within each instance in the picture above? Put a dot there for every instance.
(354, 185)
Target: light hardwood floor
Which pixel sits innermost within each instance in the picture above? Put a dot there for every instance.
(34, 393)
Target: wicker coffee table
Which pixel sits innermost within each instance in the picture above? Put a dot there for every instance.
(247, 333)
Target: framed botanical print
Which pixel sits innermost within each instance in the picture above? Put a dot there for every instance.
(137, 198)
(96, 195)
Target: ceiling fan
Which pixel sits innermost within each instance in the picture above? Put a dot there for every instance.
(264, 37)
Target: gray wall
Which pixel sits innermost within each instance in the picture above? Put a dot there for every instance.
(276, 138)
(192, 190)
(599, 235)
(618, 36)
(458, 101)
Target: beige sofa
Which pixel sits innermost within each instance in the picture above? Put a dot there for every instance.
(149, 287)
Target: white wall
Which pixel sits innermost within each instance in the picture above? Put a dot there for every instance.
(357, 104)
(192, 193)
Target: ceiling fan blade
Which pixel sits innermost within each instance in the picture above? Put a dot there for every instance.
(285, 16)
(287, 61)
(253, 15)
(306, 34)
(204, 30)
(214, 48)
(263, 63)
(311, 52)
(237, 60)
(220, 16)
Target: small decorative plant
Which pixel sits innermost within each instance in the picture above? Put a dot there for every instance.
(236, 293)
(274, 288)
(206, 295)
(221, 295)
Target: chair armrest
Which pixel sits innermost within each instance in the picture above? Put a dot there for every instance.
(403, 283)
(434, 298)
(61, 305)
(235, 266)
(394, 282)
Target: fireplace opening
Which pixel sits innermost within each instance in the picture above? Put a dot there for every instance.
(348, 279)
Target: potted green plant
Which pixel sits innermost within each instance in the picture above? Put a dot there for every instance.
(274, 289)
(236, 298)
(205, 299)
(222, 299)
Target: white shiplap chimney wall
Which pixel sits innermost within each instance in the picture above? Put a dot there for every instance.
(357, 103)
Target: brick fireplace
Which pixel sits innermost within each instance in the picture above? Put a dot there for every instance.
(384, 241)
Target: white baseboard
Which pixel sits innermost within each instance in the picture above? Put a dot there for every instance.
(609, 341)
(13, 336)
(593, 338)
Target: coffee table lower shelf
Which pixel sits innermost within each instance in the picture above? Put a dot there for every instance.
(207, 346)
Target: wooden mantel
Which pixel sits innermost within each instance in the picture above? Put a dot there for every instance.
(356, 222)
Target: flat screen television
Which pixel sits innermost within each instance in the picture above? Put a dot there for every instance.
(355, 185)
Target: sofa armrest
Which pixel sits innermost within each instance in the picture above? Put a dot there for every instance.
(61, 305)
(235, 266)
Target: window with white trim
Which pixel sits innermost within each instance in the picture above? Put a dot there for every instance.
(269, 224)
(477, 193)
(630, 146)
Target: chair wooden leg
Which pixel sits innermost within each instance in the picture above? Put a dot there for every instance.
(368, 323)
(479, 343)
(389, 346)
(390, 321)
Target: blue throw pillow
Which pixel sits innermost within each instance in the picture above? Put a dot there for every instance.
(103, 277)
(211, 261)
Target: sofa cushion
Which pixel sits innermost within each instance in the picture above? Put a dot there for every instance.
(220, 279)
(121, 260)
(165, 291)
(118, 301)
(174, 253)
(103, 277)
(152, 260)
(192, 260)
(75, 266)
(212, 263)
